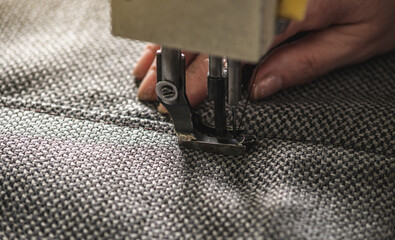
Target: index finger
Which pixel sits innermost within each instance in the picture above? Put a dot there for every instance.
(145, 61)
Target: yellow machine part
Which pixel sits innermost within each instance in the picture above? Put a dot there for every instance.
(292, 9)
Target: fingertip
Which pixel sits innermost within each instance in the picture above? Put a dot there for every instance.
(266, 86)
(146, 90)
(162, 109)
(145, 61)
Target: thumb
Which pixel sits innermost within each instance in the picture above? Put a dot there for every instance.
(304, 60)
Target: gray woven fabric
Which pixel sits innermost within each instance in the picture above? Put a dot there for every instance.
(82, 158)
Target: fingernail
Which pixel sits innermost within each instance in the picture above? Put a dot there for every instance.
(162, 109)
(146, 91)
(269, 85)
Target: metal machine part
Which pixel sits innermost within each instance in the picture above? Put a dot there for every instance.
(215, 66)
(170, 89)
(234, 87)
(238, 29)
(234, 82)
(191, 131)
(219, 27)
(216, 92)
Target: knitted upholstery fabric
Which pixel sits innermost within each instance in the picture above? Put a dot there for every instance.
(82, 158)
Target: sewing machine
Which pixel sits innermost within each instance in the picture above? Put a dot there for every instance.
(238, 29)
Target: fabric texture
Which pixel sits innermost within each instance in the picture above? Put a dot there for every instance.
(82, 158)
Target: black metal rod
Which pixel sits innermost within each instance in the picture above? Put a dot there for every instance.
(215, 71)
(218, 90)
(215, 66)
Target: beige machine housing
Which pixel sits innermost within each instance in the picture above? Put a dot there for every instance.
(237, 29)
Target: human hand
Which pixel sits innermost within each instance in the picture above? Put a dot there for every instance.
(342, 32)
